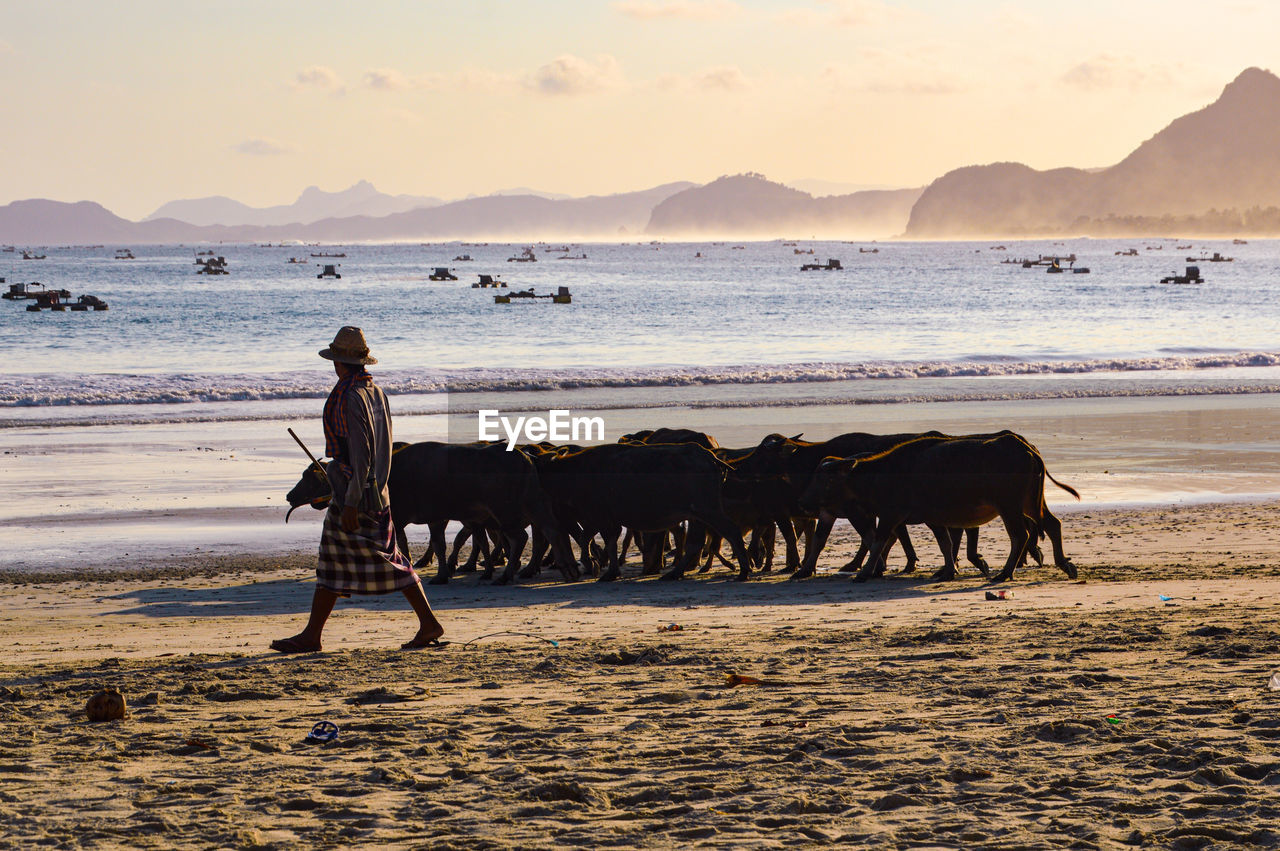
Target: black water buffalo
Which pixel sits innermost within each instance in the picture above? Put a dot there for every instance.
(946, 483)
(671, 435)
(778, 474)
(646, 488)
(481, 485)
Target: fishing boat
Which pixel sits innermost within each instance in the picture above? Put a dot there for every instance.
(831, 265)
(322, 254)
(328, 270)
(487, 281)
(89, 302)
(124, 254)
(442, 273)
(525, 256)
(27, 255)
(560, 296)
(1191, 276)
(35, 289)
(212, 266)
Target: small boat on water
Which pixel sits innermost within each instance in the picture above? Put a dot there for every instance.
(89, 302)
(299, 260)
(35, 289)
(1191, 276)
(560, 296)
(1239, 242)
(124, 254)
(831, 265)
(442, 273)
(1215, 258)
(54, 300)
(487, 281)
(462, 258)
(212, 266)
(322, 254)
(526, 256)
(27, 255)
(868, 250)
(328, 270)
(1128, 252)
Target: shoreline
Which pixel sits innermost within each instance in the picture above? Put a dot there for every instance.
(104, 496)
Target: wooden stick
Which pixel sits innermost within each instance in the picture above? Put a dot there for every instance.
(319, 466)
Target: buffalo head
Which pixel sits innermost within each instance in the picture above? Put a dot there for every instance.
(312, 489)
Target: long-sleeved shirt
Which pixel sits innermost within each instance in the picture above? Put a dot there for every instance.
(358, 437)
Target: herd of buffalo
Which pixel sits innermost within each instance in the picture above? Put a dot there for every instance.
(666, 486)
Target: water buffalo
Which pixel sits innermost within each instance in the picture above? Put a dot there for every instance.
(481, 485)
(646, 488)
(779, 472)
(946, 483)
(671, 435)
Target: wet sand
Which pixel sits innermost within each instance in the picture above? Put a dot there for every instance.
(898, 713)
(113, 495)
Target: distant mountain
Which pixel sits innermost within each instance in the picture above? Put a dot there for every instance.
(1225, 156)
(750, 205)
(524, 190)
(312, 205)
(819, 188)
(517, 217)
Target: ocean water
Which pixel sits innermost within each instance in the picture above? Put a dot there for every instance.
(156, 429)
(176, 344)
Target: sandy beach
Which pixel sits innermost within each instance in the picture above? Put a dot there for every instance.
(898, 713)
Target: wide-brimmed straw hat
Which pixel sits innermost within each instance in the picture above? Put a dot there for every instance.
(348, 346)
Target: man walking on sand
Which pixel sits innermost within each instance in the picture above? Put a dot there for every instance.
(358, 552)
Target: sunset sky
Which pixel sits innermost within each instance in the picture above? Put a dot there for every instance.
(133, 104)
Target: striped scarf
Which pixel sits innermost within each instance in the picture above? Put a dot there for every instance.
(335, 418)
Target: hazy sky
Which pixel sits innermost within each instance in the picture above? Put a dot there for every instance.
(136, 103)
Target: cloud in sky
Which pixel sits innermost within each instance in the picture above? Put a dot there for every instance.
(387, 80)
(261, 148)
(727, 78)
(689, 10)
(318, 77)
(573, 75)
(1107, 71)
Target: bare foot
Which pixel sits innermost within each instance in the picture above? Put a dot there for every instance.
(296, 644)
(426, 638)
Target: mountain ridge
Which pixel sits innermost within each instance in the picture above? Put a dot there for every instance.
(1224, 155)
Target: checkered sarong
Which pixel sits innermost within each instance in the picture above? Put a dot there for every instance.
(366, 561)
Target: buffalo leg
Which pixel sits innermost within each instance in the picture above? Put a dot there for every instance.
(884, 538)
(443, 571)
(1016, 525)
(727, 529)
(815, 546)
(458, 541)
(694, 538)
(1053, 528)
(402, 541)
(712, 549)
(515, 539)
(611, 563)
(537, 552)
(947, 544)
(971, 550)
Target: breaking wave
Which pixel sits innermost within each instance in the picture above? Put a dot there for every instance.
(55, 390)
